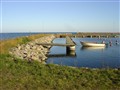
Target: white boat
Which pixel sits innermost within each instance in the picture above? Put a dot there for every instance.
(93, 44)
(92, 48)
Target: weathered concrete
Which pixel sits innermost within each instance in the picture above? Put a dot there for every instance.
(70, 41)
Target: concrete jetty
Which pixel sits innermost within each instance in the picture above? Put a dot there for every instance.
(70, 44)
(39, 48)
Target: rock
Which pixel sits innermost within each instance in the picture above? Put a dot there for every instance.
(32, 51)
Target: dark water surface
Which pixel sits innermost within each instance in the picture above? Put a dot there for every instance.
(92, 57)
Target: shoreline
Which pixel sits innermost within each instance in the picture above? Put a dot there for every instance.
(5, 36)
(31, 51)
(24, 50)
(21, 74)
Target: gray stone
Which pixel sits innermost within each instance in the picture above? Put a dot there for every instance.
(31, 51)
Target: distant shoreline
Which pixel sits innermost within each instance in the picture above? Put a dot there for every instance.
(9, 35)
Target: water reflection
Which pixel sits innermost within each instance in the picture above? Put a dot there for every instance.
(93, 48)
(93, 57)
(68, 54)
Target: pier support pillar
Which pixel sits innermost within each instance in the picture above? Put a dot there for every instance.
(70, 53)
(70, 50)
(83, 36)
(98, 36)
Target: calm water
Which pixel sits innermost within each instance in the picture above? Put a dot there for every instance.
(13, 35)
(82, 57)
(92, 57)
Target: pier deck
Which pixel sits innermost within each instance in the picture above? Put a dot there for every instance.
(69, 42)
(54, 44)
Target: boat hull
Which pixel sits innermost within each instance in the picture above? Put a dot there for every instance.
(89, 44)
(92, 48)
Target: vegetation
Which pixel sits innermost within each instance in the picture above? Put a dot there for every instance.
(5, 45)
(23, 75)
(20, 75)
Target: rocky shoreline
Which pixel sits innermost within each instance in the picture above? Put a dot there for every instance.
(32, 51)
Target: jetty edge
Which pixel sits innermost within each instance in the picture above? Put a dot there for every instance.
(32, 51)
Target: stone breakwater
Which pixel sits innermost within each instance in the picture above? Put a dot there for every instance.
(32, 51)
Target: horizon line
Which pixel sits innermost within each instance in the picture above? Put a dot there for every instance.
(61, 32)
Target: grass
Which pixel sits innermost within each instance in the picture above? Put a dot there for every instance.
(5, 45)
(19, 74)
(23, 75)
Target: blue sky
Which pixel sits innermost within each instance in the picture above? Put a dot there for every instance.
(60, 15)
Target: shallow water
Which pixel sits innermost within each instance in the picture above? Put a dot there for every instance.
(92, 57)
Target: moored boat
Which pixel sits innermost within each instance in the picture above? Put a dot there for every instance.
(93, 44)
(92, 48)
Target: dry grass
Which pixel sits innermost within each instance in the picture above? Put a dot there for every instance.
(5, 45)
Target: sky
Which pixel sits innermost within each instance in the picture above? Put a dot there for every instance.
(59, 15)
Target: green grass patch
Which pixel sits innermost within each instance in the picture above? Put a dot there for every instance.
(5, 45)
(21, 74)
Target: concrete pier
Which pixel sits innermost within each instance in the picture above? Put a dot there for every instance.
(71, 42)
